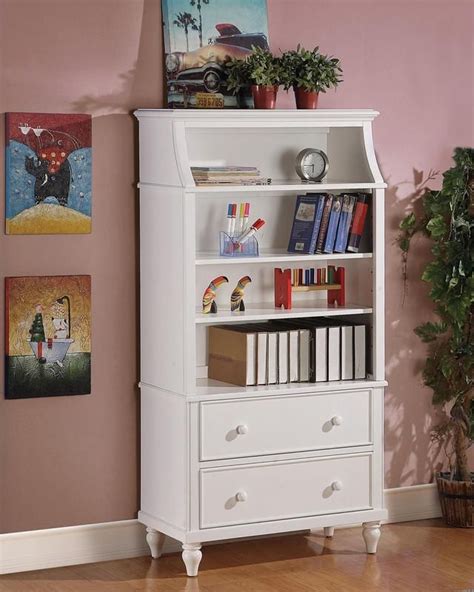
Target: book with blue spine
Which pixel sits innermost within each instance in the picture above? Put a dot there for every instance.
(333, 223)
(306, 222)
(342, 236)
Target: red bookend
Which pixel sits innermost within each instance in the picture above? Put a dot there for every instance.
(338, 296)
(282, 288)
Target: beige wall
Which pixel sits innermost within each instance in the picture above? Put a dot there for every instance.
(74, 460)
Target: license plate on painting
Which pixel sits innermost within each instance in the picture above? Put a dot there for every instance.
(200, 36)
(208, 101)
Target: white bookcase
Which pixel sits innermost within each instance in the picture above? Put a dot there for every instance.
(221, 461)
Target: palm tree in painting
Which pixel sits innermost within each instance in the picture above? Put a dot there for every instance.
(186, 21)
(198, 4)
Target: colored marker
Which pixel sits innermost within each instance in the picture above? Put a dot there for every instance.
(246, 214)
(229, 219)
(241, 218)
(232, 220)
(251, 231)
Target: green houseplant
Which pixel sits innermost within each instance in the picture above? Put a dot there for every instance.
(309, 72)
(447, 218)
(261, 71)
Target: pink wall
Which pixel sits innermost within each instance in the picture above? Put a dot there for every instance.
(73, 460)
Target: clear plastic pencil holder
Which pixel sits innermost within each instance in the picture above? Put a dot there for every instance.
(230, 247)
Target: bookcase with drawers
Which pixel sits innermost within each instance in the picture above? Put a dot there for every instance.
(220, 461)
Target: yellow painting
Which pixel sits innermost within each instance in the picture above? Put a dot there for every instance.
(48, 336)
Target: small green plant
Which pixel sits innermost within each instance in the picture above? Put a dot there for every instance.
(448, 219)
(310, 70)
(259, 67)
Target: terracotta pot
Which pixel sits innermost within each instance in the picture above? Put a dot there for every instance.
(306, 99)
(264, 97)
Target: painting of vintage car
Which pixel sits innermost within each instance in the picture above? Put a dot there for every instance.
(194, 70)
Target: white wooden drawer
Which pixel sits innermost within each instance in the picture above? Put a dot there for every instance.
(253, 427)
(284, 490)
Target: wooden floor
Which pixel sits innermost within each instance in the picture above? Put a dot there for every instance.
(413, 556)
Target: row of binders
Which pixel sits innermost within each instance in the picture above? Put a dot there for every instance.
(326, 223)
(285, 351)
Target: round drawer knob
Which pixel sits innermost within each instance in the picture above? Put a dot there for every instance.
(336, 486)
(336, 420)
(241, 496)
(242, 429)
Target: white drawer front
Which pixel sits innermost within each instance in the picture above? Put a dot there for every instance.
(283, 490)
(233, 429)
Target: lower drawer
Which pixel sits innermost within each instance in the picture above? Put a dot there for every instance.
(282, 490)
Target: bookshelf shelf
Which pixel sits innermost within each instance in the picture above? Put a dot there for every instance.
(267, 311)
(206, 444)
(276, 256)
(283, 186)
(208, 388)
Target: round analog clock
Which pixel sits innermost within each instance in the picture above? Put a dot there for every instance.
(312, 164)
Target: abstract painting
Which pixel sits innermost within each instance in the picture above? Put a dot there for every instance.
(199, 36)
(48, 336)
(48, 173)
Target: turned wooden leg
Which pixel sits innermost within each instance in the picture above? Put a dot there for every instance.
(192, 557)
(371, 534)
(155, 541)
(329, 531)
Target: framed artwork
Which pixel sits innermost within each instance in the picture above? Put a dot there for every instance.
(199, 36)
(48, 336)
(48, 173)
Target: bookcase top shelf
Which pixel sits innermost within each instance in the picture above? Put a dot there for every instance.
(197, 117)
(276, 256)
(267, 311)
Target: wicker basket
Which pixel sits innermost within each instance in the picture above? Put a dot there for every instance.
(457, 500)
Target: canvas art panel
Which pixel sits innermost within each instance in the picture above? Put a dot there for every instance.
(201, 35)
(48, 336)
(48, 173)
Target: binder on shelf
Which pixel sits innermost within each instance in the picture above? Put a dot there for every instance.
(262, 341)
(272, 358)
(360, 352)
(334, 353)
(304, 353)
(232, 355)
(282, 357)
(293, 355)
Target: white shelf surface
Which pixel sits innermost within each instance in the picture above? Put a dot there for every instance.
(275, 256)
(285, 185)
(267, 311)
(206, 387)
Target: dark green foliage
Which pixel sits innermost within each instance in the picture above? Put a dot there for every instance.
(449, 370)
(259, 67)
(27, 378)
(310, 70)
(37, 328)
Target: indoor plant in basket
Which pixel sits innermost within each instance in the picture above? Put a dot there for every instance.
(309, 72)
(261, 71)
(448, 220)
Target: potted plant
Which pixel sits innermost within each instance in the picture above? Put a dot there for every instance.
(309, 72)
(261, 71)
(447, 218)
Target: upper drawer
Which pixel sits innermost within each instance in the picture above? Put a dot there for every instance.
(253, 427)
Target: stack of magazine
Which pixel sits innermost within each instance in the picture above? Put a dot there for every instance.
(326, 223)
(227, 175)
(286, 351)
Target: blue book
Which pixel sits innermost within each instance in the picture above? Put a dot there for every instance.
(306, 223)
(333, 223)
(342, 236)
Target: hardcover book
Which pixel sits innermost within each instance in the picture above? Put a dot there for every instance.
(342, 236)
(333, 224)
(324, 223)
(358, 223)
(308, 212)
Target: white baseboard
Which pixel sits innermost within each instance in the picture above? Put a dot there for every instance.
(89, 543)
